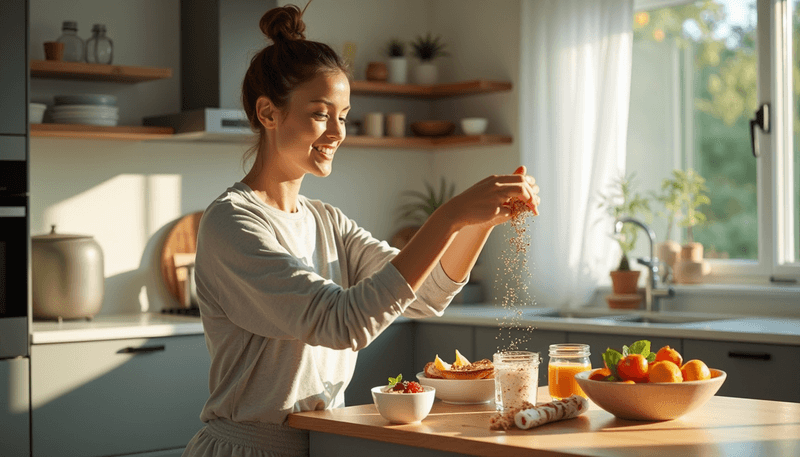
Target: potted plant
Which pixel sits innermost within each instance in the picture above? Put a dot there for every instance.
(622, 200)
(398, 64)
(427, 48)
(669, 250)
(415, 212)
(688, 193)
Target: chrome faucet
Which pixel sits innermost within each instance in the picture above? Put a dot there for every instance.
(652, 294)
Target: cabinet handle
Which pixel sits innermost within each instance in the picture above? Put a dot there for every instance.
(750, 355)
(142, 350)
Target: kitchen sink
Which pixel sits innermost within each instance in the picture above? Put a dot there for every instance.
(633, 317)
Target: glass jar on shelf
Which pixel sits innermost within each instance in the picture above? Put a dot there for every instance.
(73, 44)
(566, 360)
(99, 48)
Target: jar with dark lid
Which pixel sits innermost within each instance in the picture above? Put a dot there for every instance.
(67, 276)
(99, 48)
(73, 44)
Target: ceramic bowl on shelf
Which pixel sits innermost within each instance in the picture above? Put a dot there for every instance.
(400, 408)
(474, 125)
(86, 99)
(460, 391)
(432, 128)
(36, 112)
(654, 401)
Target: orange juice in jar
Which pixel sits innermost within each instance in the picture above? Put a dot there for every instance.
(567, 360)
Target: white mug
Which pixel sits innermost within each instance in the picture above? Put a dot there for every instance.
(373, 124)
(396, 124)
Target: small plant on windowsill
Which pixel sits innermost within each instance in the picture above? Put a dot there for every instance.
(427, 49)
(414, 213)
(622, 200)
(396, 48)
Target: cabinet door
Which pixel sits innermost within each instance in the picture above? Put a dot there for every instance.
(14, 68)
(117, 397)
(389, 354)
(14, 407)
(432, 339)
(762, 371)
(489, 340)
(599, 342)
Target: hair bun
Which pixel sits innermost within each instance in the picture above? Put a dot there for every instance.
(283, 23)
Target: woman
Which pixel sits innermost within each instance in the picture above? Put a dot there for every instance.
(290, 288)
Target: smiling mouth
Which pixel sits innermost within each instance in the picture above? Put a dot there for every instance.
(325, 151)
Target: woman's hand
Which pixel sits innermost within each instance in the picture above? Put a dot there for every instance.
(489, 202)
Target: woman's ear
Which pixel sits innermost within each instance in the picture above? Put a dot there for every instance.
(266, 112)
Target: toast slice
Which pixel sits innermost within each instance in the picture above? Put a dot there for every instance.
(482, 369)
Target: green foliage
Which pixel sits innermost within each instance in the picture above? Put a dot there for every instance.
(425, 204)
(681, 195)
(622, 200)
(428, 47)
(396, 48)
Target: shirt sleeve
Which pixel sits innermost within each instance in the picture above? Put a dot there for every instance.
(367, 255)
(244, 272)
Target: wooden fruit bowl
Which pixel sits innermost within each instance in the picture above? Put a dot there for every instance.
(432, 128)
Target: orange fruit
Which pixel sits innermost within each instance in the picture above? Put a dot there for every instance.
(628, 382)
(667, 353)
(695, 370)
(665, 371)
(600, 374)
(633, 367)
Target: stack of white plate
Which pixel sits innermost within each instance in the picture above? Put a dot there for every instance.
(86, 109)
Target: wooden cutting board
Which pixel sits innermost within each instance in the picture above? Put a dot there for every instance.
(179, 246)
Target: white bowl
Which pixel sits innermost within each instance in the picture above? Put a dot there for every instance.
(474, 125)
(86, 99)
(650, 401)
(460, 391)
(36, 112)
(404, 408)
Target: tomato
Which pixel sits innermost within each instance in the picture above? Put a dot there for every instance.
(633, 367)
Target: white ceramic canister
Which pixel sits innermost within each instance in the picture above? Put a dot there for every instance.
(396, 125)
(373, 125)
(67, 276)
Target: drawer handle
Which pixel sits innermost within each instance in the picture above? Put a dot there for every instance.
(750, 355)
(142, 350)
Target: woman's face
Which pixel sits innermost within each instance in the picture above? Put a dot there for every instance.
(312, 125)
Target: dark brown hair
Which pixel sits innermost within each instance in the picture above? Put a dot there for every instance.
(289, 61)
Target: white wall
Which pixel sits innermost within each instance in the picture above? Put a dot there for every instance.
(126, 194)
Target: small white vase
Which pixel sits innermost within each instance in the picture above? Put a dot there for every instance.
(398, 70)
(426, 73)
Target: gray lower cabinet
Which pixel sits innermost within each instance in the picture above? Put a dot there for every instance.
(388, 355)
(117, 397)
(15, 407)
(491, 339)
(431, 339)
(762, 371)
(599, 342)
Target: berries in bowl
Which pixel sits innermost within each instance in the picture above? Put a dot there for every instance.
(403, 402)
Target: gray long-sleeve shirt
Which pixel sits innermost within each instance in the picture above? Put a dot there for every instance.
(287, 299)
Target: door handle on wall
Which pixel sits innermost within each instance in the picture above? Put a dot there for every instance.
(761, 120)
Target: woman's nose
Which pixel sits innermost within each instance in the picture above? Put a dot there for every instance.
(336, 129)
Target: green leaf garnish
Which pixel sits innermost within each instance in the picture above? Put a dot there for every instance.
(393, 381)
(640, 347)
(612, 358)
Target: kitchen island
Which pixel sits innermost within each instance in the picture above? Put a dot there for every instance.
(724, 426)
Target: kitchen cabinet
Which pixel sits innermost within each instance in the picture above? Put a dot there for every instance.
(599, 342)
(432, 339)
(389, 354)
(762, 371)
(490, 339)
(14, 407)
(117, 397)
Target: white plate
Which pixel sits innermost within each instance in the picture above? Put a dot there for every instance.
(86, 99)
(460, 391)
(85, 109)
(102, 122)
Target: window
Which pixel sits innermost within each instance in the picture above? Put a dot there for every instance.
(701, 70)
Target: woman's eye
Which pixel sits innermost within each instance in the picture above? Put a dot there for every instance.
(321, 115)
(343, 120)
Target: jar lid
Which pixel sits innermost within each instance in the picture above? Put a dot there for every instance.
(569, 350)
(69, 25)
(53, 236)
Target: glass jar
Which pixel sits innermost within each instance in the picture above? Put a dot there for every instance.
(516, 378)
(73, 44)
(567, 360)
(99, 48)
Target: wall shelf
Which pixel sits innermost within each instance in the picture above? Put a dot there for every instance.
(431, 91)
(426, 143)
(53, 69)
(94, 132)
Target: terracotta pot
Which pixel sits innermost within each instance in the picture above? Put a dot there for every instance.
(691, 268)
(624, 301)
(692, 251)
(377, 71)
(625, 282)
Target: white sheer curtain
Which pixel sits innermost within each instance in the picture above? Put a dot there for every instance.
(575, 90)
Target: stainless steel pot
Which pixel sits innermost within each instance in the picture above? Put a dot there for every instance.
(67, 276)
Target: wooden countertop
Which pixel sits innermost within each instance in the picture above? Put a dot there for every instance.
(724, 426)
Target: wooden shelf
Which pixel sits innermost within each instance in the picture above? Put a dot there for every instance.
(432, 91)
(53, 69)
(427, 143)
(129, 133)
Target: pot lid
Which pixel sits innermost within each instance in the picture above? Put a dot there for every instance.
(53, 236)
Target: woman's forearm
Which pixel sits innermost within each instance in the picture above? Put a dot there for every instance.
(463, 252)
(419, 257)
